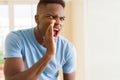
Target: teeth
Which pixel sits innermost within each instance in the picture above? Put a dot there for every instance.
(56, 29)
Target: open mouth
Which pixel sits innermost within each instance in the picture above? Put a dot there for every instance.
(56, 32)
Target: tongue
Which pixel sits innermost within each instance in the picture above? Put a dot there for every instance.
(55, 33)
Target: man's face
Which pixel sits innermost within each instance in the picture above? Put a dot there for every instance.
(45, 17)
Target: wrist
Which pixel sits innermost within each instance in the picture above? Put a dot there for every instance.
(49, 54)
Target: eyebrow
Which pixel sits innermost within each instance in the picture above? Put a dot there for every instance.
(54, 15)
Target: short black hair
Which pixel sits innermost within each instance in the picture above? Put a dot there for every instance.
(61, 2)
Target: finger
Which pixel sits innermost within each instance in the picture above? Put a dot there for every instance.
(52, 22)
(49, 31)
(50, 28)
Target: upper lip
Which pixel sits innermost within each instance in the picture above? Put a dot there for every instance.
(56, 29)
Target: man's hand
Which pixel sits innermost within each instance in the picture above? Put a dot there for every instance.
(48, 39)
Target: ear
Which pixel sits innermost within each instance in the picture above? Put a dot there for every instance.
(37, 19)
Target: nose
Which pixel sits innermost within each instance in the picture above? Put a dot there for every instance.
(58, 21)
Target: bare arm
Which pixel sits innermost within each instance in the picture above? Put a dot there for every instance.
(14, 67)
(69, 76)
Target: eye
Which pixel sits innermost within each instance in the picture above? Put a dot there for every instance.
(62, 18)
(55, 17)
(52, 17)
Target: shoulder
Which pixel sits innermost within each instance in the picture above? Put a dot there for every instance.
(66, 47)
(19, 33)
(64, 42)
(16, 37)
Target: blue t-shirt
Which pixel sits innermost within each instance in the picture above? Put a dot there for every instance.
(23, 44)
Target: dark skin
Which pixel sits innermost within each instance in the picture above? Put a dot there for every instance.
(49, 23)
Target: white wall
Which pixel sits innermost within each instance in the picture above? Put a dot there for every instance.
(102, 39)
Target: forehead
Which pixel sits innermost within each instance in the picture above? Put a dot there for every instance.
(54, 9)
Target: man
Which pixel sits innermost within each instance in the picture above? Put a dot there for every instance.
(38, 53)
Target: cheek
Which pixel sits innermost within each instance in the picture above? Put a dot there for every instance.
(45, 21)
(44, 24)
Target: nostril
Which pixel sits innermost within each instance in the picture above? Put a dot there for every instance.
(57, 26)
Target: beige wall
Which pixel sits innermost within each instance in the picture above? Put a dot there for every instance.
(78, 36)
(73, 30)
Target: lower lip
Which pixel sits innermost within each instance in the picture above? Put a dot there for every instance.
(55, 34)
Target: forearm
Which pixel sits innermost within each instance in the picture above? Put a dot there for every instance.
(69, 76)
(34, 72)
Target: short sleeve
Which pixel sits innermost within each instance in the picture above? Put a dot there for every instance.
(12, 46)
(70, 64)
